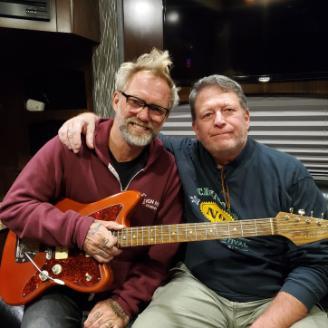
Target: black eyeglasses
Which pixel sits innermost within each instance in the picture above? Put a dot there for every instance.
(136, 104)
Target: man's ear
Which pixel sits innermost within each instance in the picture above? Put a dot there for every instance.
(247, 118)
(115, 100)
(194, 127)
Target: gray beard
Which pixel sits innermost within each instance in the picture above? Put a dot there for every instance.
(134, 140)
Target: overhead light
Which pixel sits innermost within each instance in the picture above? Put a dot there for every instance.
(172, 17)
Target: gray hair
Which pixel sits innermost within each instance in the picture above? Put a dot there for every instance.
(222, 82)
(158, 62)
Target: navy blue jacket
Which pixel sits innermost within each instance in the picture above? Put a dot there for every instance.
(260, 182)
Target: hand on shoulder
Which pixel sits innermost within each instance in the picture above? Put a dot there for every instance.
(70, 132)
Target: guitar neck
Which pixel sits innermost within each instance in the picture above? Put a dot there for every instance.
(177, 233)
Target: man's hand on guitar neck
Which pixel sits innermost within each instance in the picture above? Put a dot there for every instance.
(100, 242)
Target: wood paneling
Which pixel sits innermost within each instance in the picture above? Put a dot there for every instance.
(142, 26)
(319, 87)
(308, 88)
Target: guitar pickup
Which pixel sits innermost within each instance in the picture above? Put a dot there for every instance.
(61, 253)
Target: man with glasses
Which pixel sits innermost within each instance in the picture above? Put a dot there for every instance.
(127, 156)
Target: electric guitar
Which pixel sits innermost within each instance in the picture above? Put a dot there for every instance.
(28, 269)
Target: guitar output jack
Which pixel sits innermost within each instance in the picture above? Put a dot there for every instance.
(88, 277)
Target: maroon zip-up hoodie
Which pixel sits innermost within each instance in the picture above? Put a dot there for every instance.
(55, 173)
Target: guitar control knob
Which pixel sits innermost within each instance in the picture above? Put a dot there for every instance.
(57, 269)
(44, 275)
(301, 211)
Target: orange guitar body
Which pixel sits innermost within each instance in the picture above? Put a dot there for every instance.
(20, 282)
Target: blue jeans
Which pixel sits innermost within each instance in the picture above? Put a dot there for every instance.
(57, 308)
(11, 316)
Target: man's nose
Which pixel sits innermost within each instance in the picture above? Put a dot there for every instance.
(143, 114)
(219, 119)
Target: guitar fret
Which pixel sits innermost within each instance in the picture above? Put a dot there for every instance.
(130, 240)
(171, 234)
(190, 232)
(271, 224)
(229, 232)
(123, 237)
(219, 228)
(150, 235)
(134, 240)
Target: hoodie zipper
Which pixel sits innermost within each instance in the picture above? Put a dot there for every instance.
(114, 172)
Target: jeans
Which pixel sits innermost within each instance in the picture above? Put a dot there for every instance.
(57, 308)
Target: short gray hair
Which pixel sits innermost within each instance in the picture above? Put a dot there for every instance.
(222, 82)
(158, 62)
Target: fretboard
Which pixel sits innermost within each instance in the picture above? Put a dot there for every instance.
(177, 233)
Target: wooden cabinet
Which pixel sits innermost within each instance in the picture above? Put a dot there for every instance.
(49, 62)
(77, 17)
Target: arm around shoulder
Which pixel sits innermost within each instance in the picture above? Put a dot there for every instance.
(70, 132)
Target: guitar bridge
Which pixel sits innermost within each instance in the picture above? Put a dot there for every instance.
(23, 247)
(31, 248)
